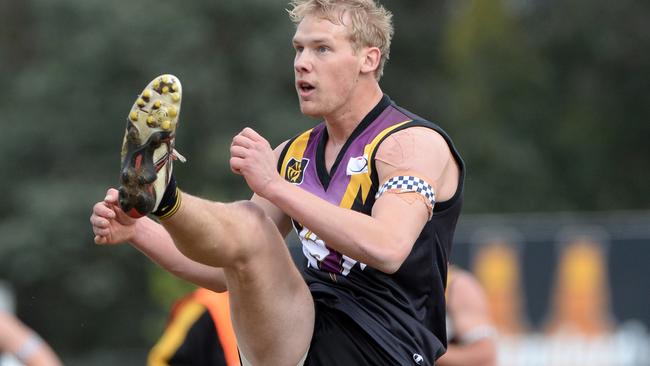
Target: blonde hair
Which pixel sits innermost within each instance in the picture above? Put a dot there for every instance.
(371, 24)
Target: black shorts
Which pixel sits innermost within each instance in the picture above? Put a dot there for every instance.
(339, 341)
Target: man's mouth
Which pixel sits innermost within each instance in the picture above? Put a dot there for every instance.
(304, 87)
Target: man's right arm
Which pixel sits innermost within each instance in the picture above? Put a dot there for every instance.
(112, 226)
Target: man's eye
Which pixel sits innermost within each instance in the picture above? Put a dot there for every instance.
(322, 49)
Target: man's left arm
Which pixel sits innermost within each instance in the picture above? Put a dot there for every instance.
(384, 239)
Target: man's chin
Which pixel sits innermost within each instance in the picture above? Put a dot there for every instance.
(310, 112)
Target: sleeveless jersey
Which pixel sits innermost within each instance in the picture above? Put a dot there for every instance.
(403, 312)
(199, 332)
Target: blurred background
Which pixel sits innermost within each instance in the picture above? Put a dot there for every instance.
(548, 102)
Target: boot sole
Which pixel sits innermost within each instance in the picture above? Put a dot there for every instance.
(148, 145)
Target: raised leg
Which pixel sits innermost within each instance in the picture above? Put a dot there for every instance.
(272, 308)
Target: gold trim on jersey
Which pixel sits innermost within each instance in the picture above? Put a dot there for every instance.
(295, 151)
(175, 334)
(363, 182)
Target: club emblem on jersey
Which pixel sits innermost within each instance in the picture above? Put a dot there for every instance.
(357, 165)
(295, 170)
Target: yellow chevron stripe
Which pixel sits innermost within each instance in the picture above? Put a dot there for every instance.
(219, 306)
(174, 335)
(363, 182)
(296, 150)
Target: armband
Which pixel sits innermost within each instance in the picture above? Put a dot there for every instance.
(407, 184)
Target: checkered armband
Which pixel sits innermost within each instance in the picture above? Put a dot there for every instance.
(407, 183)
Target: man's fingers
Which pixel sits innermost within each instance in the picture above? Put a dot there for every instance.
(236, 164)
(252, 134)
(111, 196)
(98, 221)
(121, 216)
(101, 231)
(238, 151)
(241, 140)
(102, 209)
(100, 225)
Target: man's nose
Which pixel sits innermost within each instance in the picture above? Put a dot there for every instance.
(302, 62)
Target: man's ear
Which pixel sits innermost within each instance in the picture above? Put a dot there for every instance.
(370, 62)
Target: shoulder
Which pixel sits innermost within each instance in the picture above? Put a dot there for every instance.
(422, 152)
(298, 141)
(414, 141)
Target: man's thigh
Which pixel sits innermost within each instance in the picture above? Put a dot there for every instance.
(271, 306)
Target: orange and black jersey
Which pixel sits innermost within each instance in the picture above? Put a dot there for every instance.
(199, 332)
(403, 312)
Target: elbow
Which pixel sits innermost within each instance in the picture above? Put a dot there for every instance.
(391, 255)
(390, 267)
(379, 248)
(392, 264)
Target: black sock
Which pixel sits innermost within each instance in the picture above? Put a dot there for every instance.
(170, 202)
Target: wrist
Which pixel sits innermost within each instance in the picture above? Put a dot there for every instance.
(139, 230)
(273, 188)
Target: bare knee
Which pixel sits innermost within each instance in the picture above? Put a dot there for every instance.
(248, 210)
(254, 228)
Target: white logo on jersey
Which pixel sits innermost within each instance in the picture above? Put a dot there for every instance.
(418, 359)
(357, 165)
(316, 251)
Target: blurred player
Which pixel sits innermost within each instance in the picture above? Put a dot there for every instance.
(17, 341)
(199, 332)
(470, 332)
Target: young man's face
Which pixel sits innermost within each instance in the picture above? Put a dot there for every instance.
(326, 67)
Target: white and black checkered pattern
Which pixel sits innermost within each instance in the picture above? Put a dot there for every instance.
(407, 183)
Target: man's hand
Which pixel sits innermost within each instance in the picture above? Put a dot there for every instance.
(110, 224)
(252, 157)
